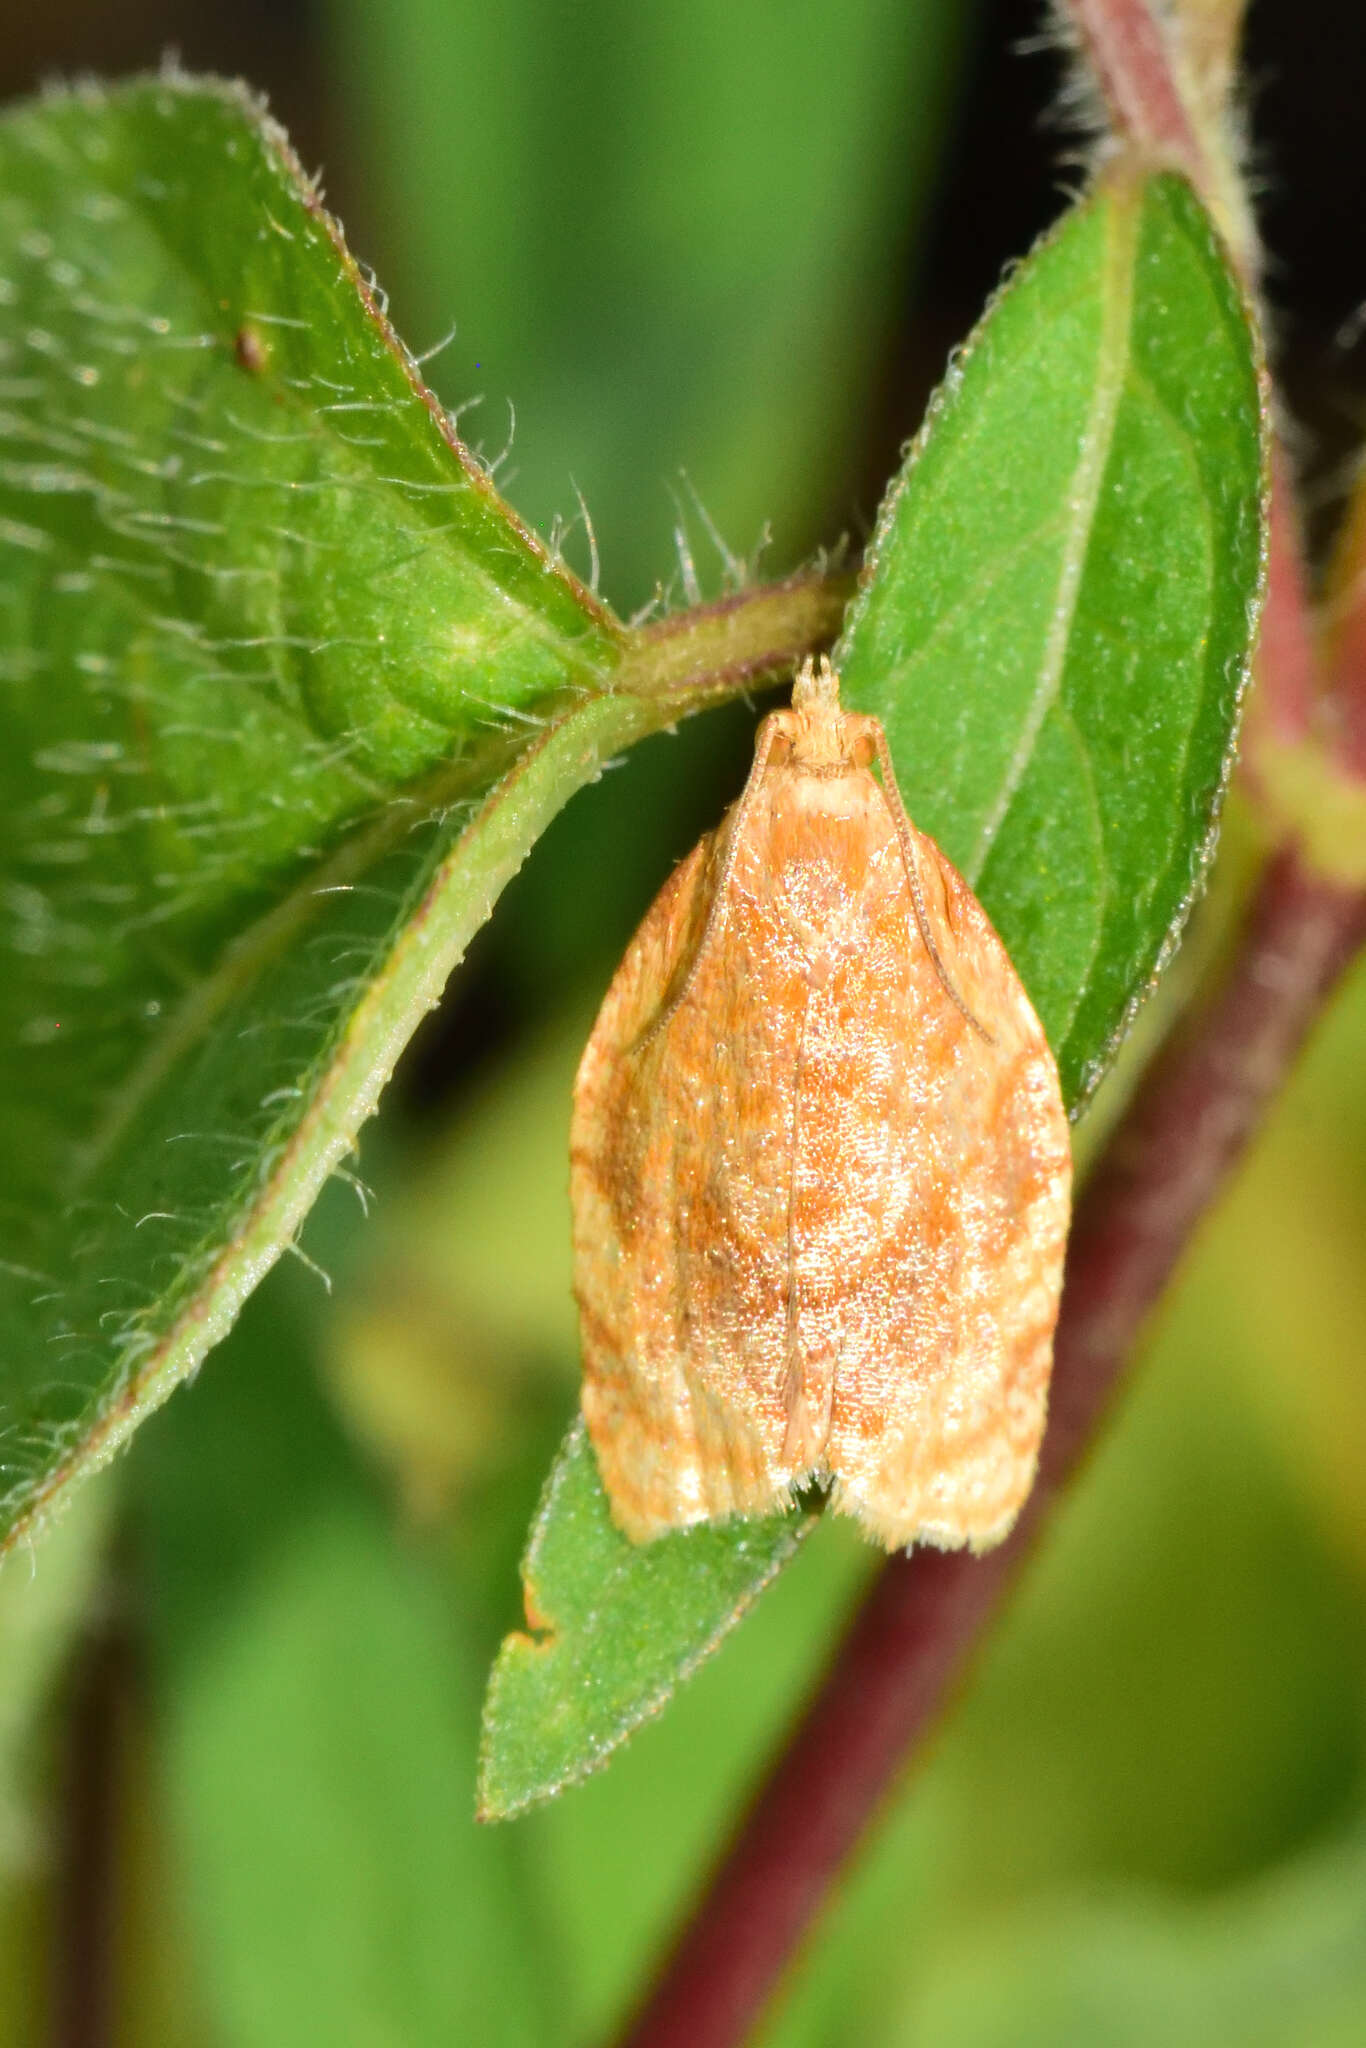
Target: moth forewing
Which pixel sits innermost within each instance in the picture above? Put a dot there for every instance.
(819, 1171)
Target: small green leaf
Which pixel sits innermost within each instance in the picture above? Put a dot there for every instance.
(1061, 597)
(1055, 628)
(617, 1627)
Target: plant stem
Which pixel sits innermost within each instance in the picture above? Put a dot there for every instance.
(1283, 705)
(1127, 55)
(908, 1645)
(1156, 112)
(1165, 77)
(755, 635)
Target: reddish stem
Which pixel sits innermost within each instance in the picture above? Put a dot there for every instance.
(1126, 51)
(1345, 643)
(1287, 679)
(908, 1644)
(1127, 56)
(1348, 695)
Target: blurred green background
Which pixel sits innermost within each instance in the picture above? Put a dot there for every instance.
(713, 258)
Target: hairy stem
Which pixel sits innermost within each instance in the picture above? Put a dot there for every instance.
(1165, 77)
(910, 1641)
(755, 635)
(1126, 53)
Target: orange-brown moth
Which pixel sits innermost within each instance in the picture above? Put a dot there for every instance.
(820, 1171)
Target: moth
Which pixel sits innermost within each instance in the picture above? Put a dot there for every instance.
(819, 1170)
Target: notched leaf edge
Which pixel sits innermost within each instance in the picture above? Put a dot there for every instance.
(543, 1634)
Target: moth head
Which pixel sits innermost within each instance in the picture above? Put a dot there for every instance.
(816, 734)
(816, 686)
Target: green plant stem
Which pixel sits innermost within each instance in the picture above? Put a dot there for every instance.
(753, 636)
(906, 1650)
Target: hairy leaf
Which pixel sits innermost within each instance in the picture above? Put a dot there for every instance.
(287, 695)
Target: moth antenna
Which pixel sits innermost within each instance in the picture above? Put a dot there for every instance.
(892, 796)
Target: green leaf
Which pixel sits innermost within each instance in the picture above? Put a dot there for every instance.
(1061, 598)
(618, 1625)
(269, 641)
(1055, 628)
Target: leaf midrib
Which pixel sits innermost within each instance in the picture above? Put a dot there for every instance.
(1121, 223)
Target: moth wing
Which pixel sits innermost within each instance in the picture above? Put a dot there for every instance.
(679, 1228)
(941, 1392)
